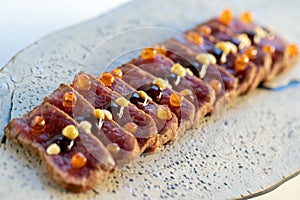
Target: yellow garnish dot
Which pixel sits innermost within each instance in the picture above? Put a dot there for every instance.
(160, 83)
(53, 149)
(121, 101)
(70, 132)
(178, 70)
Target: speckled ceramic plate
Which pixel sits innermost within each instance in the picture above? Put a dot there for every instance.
(245, 150)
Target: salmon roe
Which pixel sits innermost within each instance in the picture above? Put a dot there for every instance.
(247, 17)
(216, 85)
(176, 99)
(226, 17)
(161, 49)
(148, 53)
(164, 113)
(113, 148)
(205, 30)
(117, 73)
(251, 52)
(241, 62)
(292, 50)
(195, 38)
(269, 49)
(78, 160)
(37, 123)
(69, 99)
(83, 82)
(131, 127)
(107, 79)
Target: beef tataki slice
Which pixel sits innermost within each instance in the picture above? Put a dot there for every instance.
(224, 83)
(123, 112)
(81, 163)
(196, 90)
(121, 144)
(166, 123)
(160, 93)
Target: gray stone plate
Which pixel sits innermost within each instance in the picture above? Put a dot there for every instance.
(243, 150)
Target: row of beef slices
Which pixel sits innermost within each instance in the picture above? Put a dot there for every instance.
(87, 129)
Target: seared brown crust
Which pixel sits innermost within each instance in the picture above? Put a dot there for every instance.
(102, 97)
(110, 132)
(137, 77)
(99, 161)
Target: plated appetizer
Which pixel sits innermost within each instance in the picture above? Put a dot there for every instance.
(87, 129)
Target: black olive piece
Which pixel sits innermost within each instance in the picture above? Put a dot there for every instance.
(267, 30)
(114, 109)
(137, 100)
(172, 79)
(194, 69)
(152, 91)
(217, 53)
(235, 41)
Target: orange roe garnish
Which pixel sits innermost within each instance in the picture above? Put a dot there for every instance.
(195, 38)
(107, 79)
(148, 53)
(176, 99)
(37, 123)
(241, 62)
(292, 50)
(83, 82)
(161, 49)
(247, 17)
(251, 52)
(269, 49)
(205, 30)
(117, 73)
(216, 85)
(131, 127)
(113, 148)
(226, 17)
(69, 99)
(78, 160)
(164, 113)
